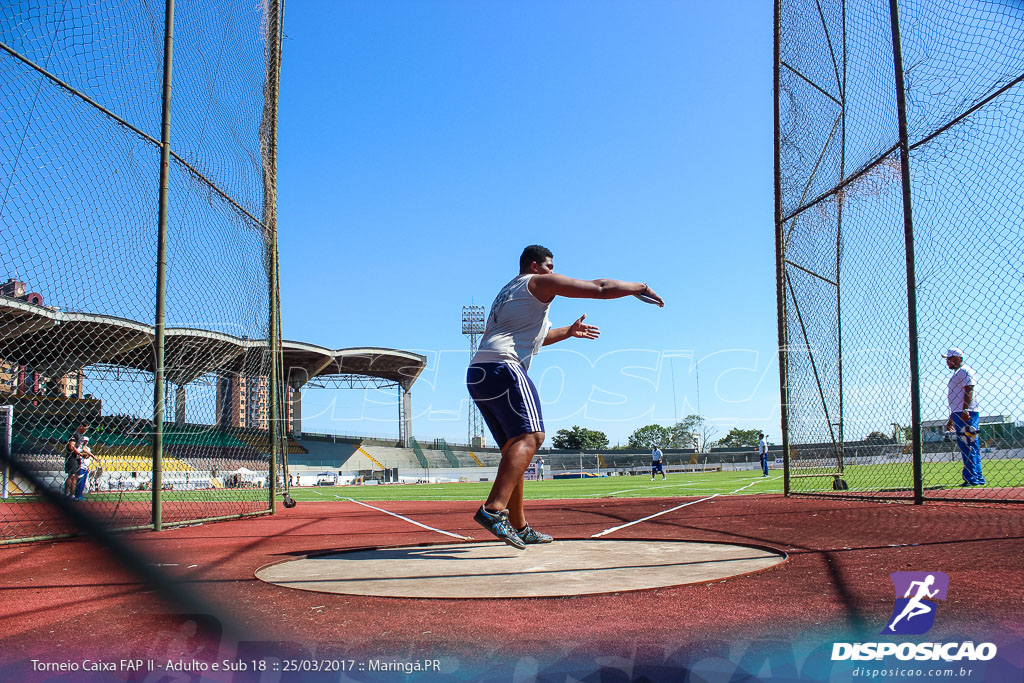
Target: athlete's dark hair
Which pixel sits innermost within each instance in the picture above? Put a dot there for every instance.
(533, 253)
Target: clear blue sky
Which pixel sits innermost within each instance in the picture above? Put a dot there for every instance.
(423, 144)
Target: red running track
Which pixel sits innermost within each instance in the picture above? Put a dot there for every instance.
(69, 596)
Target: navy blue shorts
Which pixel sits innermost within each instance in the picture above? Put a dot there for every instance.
(506, 398)
(656, 467)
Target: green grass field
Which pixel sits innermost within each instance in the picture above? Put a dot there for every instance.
(215, 496)
(697, 484)
(999, 473)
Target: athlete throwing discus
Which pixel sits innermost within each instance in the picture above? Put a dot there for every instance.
(517, 326)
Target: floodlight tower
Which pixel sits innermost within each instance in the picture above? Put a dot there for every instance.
(473, 327)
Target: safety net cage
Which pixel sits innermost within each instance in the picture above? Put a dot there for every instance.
(138, 283)
(899, 225)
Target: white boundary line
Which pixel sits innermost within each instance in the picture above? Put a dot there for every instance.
(665, 512)
(657, 514)
(672, 486)
(411, 521)
(645, 488)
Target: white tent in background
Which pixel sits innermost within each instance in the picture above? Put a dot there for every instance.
(249, 476)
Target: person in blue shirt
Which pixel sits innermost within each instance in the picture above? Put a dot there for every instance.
(656, 463)
(762, 450)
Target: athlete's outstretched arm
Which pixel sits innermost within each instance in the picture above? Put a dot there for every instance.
(577, 329)
(547, 287)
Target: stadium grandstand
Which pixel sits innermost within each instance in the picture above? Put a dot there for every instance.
(48, 357)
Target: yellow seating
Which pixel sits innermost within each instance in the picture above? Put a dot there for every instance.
(136, 463)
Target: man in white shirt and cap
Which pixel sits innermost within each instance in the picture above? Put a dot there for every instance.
(964, 416)
(762, 451)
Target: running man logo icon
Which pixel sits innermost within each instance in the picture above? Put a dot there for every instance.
(914, 612)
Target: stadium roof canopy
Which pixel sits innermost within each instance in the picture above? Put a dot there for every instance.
(54, 343)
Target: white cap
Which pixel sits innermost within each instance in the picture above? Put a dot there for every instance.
(953, 353)
(85, 438)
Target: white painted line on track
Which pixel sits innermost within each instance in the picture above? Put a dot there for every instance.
(657, 514)
(665, 512)
(411, 521)
(644, 488)
(672, 486)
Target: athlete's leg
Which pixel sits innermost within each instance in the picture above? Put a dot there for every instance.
(516, 455)
(516, 514)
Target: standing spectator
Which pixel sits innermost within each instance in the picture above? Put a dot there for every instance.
(540, 469)
(964, 416)
(656, 463)
(762, 450)
(73, 459)
(83, 469)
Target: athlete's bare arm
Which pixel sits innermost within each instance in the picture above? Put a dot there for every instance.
(577, 329)
(546, 287)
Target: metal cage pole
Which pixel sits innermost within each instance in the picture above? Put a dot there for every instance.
(276, 386)
(840, 197)
(908, 237)
(161, 269)
(780, 272)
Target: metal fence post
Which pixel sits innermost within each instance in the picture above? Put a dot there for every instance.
(277, 384)
(908, 237)
(161, 269)
(780, 272)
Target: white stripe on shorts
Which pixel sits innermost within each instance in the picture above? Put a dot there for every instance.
(532, 414)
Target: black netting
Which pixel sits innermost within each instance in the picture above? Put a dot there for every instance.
(844, 252)
(81, 100)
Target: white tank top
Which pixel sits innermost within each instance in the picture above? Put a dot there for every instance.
(516, 326)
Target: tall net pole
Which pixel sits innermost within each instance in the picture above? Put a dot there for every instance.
(908, 236)
(161, 268)
(277, 432)
(473, 327)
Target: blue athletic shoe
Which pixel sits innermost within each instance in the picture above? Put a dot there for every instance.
(498, 524)
(529, 536)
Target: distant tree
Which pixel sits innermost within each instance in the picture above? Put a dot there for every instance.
(646, 437)
(740, 437)
(693, 432)
(580, 438)
(878, 437)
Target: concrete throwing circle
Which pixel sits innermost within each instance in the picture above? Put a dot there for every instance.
(493, 570)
